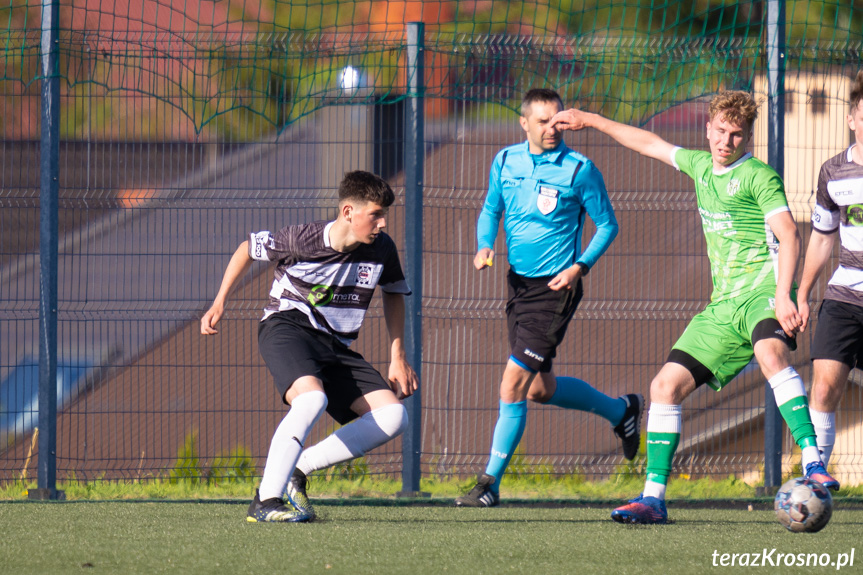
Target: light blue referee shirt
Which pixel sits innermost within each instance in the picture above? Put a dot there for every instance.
(545, 198)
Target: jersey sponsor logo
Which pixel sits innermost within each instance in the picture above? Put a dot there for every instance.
(320, 295)
(659, 441)
(733, 187)
(796, 407)
(547, 200)
(717, 222)
(509, 182)
(846, 190)
(345, 297)
(855, 215)
(771, 304)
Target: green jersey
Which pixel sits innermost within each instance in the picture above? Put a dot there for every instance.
(735, 204)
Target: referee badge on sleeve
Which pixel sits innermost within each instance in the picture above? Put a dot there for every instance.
(546, 201)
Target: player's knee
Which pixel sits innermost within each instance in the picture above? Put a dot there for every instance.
(773, 364)
(311, 401)
(392, 419)
(666, 390)
(540, 395)
(772, 354)
(826, 394)
(539, 391)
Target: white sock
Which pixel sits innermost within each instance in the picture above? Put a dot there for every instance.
(825, 431)
(356, 438)
(654, 489)
(665, 418)
(288, 441)
(787, 385)
(809, 455)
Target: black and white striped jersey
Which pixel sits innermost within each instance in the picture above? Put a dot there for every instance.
(839, 205)
(334, 289)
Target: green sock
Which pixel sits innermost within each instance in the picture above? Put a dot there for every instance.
(793, 406)
(660, 453)
(795, 412)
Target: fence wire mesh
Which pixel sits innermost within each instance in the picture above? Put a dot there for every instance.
(187, 124)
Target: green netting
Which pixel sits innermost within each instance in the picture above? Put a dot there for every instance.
(239, 69)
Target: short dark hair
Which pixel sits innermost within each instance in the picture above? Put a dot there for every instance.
(857, 91)
(367, 188)
(539, 95)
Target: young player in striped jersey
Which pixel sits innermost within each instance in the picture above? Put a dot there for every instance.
(838, 342)
(325, 276)
(545, 191)
(753, 246)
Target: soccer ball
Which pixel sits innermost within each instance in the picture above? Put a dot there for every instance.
(803, 505)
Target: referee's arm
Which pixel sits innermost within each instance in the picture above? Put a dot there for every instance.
(489, 218)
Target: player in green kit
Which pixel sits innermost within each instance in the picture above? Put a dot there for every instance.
(753, 245)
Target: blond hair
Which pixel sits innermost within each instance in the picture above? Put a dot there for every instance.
(735, 107)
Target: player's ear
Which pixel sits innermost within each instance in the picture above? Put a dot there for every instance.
(346, 210)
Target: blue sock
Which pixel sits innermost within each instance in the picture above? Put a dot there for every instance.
(573, 393)
(507, 434)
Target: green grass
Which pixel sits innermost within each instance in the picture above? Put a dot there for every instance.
(538, 486)
(160, 537)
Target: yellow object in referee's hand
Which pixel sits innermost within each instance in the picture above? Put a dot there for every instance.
(489, 262)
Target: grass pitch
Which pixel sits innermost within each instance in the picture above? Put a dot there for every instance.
(381, 538)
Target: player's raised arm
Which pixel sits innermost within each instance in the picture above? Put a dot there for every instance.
(402, 377)
(240, 263)
(642, 141)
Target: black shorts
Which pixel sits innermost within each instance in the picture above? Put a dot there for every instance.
(292, 348)
(537, 318)
(839, 333)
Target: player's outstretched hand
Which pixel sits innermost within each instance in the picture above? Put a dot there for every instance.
(484, 258)
(210, 319)
(788, 316)
(571, 119)
(566, 279)
(402, 377)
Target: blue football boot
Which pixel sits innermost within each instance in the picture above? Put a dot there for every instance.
(642, 510)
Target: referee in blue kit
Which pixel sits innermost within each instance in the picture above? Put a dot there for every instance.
(543, 190)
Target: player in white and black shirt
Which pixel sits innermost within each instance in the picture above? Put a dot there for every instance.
(324, 281)
(332, 288)
(838, 342)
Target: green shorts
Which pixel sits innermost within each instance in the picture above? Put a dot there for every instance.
(720, 337)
